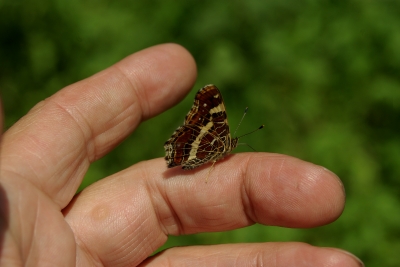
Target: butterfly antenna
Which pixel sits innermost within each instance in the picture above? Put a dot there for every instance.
(241, 144)
(244, 114)
(259, 128)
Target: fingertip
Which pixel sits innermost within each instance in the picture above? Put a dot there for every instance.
(163, 73)
(289, 192)
(333, 187)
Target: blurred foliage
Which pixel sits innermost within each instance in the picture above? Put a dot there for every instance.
(323, 76)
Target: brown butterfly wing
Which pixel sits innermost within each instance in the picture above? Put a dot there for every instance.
(205, 135)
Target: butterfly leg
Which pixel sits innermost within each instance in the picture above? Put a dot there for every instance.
(209, 171)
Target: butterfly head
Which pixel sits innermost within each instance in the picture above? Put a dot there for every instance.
(234, 142)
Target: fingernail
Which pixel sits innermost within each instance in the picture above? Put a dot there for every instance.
(361, 264)
(337, 178)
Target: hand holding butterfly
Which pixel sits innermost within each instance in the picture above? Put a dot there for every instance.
(124, 218)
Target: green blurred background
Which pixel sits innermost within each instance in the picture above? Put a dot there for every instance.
(323, 76)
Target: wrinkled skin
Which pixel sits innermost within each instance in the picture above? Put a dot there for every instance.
(122, 219)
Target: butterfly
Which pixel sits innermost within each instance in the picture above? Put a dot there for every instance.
(204, 136)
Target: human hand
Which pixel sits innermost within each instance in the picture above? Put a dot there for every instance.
(122, 219)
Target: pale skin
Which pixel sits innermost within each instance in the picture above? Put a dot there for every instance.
(122, 219)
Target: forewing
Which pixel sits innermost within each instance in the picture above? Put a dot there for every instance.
(208, 106)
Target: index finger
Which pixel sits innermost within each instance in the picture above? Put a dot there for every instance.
(138, 208)
(54, 144)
